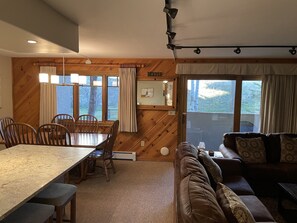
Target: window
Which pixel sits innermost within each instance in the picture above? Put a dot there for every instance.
(90, 98)
(98, 97)
(64, 97)
(250, 106)
(112, 98)
(211, 110)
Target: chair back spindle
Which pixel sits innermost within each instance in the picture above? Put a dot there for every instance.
(19, 133)
(66, 120)
(86, 124)
(53, 134)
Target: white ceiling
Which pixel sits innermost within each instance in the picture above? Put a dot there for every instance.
(136, 28)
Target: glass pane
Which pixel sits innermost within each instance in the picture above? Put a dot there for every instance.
(112, 98)
(250, 106)
(210, 111)
(64, 97)
(90, 98)
(113, 81)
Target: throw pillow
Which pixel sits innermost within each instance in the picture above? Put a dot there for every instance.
(233, 207)
(288, 149)
(251, 150)
(211, 167)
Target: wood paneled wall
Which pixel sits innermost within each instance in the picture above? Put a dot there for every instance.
(155, 128)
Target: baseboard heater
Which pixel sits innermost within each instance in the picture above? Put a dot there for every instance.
(123, 155)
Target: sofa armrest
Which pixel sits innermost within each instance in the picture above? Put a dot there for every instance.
(229, 153)
(229, 167)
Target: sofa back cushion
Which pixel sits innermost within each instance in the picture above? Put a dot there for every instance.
(288, 149)
(190, 165)
(198, 202)
(186, 149)
(251, 150)
(229, 139)
(274, 153)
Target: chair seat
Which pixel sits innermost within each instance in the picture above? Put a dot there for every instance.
(30, 213)
(97, 154)
(55, 194)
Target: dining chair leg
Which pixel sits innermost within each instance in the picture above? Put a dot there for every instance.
(73, 209)
(106, 170)
(51, 219)
(112, 165)
(59, 214)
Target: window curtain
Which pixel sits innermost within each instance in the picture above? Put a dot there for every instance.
(48, 98)
(279, 104)
(127, 104)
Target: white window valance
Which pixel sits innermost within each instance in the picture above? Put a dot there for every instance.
(236, 69)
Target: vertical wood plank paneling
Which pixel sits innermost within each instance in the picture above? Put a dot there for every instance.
(156, 128)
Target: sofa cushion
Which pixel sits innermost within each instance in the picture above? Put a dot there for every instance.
(190, 165)
(229, 139)
(234, 209)
(271, 172)
(186, 149)
(274, 148)
(198, 202)
(288, 149)
(257, 208)
(211, 167)
(251, 150)
(238, 185)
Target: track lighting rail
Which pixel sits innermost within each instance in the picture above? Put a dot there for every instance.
(171, 13)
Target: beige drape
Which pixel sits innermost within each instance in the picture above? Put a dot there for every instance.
(279, 104)
(127, 104)
(48, 98)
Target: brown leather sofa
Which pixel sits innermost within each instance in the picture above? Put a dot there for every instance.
(263, 177)
(195, 197)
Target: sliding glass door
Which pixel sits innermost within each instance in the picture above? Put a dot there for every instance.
(210, 111)
(214, 107)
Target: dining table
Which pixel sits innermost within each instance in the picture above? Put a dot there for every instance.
(27, 169)
(82, 139)
(79, 139)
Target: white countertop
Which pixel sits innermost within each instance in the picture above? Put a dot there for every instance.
(26, 169)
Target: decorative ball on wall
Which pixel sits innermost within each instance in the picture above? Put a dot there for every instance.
(164, 151)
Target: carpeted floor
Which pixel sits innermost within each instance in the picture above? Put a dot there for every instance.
(139, 192)
(271, 204)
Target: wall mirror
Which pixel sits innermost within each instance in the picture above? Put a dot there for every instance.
(156, 94)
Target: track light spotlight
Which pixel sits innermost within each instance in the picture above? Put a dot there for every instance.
(170, 11)
(237, 50)
(171, 34)
(198, 51)
(170, 46)
(292, 51)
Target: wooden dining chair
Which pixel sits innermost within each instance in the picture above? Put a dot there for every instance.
(106, 154)
(86, 124)
(19, 133)
(3, 123)
(53, 134)
(57, 194)
(66, 120)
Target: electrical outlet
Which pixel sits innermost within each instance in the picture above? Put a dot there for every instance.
(141, 143)
(171, 112)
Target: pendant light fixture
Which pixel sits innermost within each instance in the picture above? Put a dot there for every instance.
(43, 77)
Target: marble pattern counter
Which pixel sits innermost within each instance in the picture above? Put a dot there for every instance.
(27, 169)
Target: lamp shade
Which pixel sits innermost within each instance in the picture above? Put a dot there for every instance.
(74, 78)
(82, 80)
(97, 83)
(43, 77)
(54, 79)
